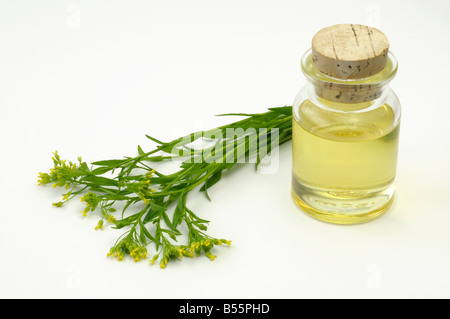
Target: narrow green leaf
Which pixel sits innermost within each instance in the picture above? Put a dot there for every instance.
(84, 167)
(198, 219)
(140, 151)
(101, 170)
(206, 193)
(235, 114)
(156, 207)
(286, 110)
(129, 202)
(100, 180)
(200, 226)
(157, 236)
(180, 211)
(171, 233)
(157, 158)
(212, 180)
(154, 139)
(145, 231)
(151, 215)
(160, 180)
(167, 220)
(114, 162)
(131, 178)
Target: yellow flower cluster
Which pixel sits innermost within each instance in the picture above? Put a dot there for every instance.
(116, 253)
(44, 178)
(61, 174)
(110, 218)
(172, 252)
(138, 253)
(206, 245)
(175, 252)
(99, 225)
(127, 247)
(91, 201)
(143, 190)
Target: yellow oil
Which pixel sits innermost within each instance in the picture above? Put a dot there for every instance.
(344, 160)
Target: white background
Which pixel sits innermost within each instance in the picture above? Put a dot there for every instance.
(91, 78)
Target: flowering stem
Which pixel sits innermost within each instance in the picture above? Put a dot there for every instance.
(151, 193)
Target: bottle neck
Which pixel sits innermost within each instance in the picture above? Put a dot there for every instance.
(348, 93)
(346, 101)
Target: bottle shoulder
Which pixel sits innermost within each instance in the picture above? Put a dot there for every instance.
(376, 117)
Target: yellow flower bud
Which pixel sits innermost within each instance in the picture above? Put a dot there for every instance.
(211, 256)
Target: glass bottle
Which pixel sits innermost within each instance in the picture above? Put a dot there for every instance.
(346, 127)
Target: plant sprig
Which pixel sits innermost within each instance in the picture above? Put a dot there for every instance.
(153, 204)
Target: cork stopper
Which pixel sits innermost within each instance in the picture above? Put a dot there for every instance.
(350, 51)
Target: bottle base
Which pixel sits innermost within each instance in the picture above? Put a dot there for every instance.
(344, 216)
